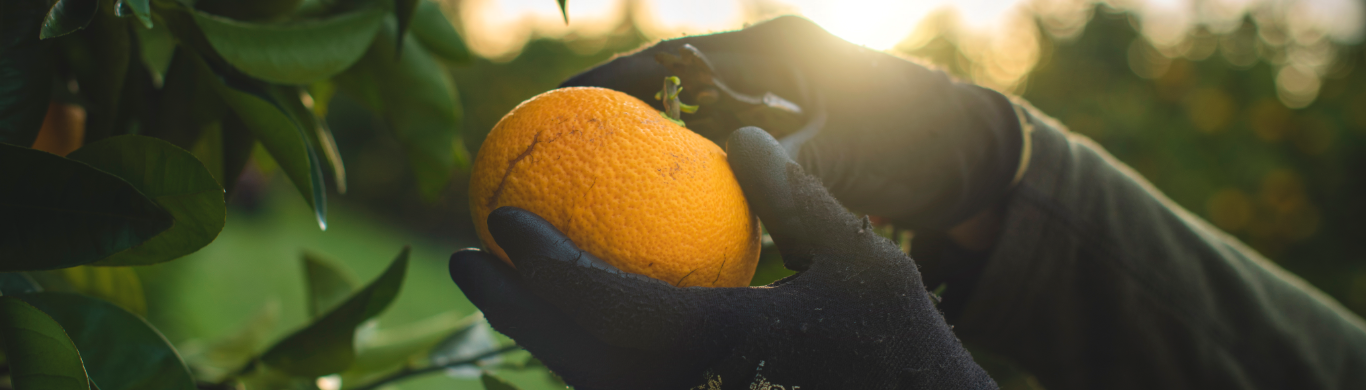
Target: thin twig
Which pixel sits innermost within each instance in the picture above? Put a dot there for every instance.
(405, 373)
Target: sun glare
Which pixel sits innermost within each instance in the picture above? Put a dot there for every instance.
(497, 28)
(999, 39)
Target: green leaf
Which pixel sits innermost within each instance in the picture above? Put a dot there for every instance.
(118, 285)
(328, 284)
(142, 9)
(66, 213)
(14, 283)
(564, 10)
(296, 52)
(172, 177)
(492, 382)
(387, 350)
(25, 71)
(266, 111)
(157, 46)
(403, 13)
(121, 351)
(418, 100)
(434, 31)
(42, 356)
(67, 16)
(326, 346)
(320, 137)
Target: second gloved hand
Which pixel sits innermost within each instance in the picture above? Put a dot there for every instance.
(886, 136)
(856, 316)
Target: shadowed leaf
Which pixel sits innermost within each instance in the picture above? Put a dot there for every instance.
(67, 16)
(25, 71)
(173, 178)
(41, 356)
(14, 283)
(118, 285)
(68, 213)
(121, 351)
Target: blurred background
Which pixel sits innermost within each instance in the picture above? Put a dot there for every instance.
(1249, 113)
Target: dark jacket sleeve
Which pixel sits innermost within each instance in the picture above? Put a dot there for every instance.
(1100, 282)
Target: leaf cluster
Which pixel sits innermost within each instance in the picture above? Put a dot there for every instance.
(124, 126)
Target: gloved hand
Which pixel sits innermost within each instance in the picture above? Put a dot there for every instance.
(856, 316)
(887, 137)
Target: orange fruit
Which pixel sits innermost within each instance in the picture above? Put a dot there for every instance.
(624, 183)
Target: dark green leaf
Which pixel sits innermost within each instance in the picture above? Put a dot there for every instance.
(564, 10)
(67, 16)
(118, 285)
(120, 350)
(25, 71)
(492, 382)
(268, 111)
(296, 52)
(64, 213)
(141, 9)
(328, 284)
(326, 346)
(418, 100)
(14, 283)
(435, 32)
(403, 13)
(41, 355)
(173, 178)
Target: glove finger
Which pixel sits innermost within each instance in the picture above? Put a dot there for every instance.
(800, 215)
(622, 309)
(553, 337)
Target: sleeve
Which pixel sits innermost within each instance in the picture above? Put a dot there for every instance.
(1100, 281)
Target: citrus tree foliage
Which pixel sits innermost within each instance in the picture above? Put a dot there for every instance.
(125, 124)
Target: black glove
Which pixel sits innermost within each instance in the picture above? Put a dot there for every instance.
(856, 316)
(887, 137)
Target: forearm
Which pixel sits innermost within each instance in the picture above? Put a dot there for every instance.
(1098, 281)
